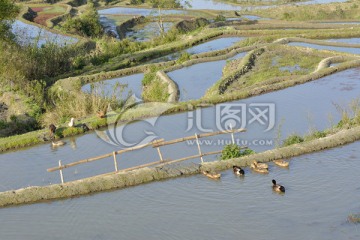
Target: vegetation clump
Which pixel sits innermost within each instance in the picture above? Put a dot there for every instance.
(87, 24)
(234, 151)
(293, 139)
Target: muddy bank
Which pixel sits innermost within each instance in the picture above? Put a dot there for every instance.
(190, 25)
(125, 26)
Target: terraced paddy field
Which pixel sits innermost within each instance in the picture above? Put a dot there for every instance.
(288, 74)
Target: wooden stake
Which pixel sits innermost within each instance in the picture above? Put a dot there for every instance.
(198, 144)
(115, 162)
(61, 173)
(160, 155)
(232, 134)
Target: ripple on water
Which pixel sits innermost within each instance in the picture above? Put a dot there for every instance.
(320, 193)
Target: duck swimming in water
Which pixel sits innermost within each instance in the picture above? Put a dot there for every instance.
(281, 163)
(212, 175)
(58, 143)
(258, 169)
(278, 187)
(260, 165)
(238, 171)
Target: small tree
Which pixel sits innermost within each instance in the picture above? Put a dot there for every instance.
(161, 4)
(8, 12)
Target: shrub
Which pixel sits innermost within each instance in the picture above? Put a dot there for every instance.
(87, 24)
(219, 18)
(234, 151)
(71, 131)
(292, 139)
(185, 56)
(315, 135)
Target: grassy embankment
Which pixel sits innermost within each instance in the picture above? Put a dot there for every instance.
(182, 106)
(255, 40)
(331, 11)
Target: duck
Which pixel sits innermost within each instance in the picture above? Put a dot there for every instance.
(52, 129)
(212, 175)
(260, 165)
(278, 187)
(281, 163)
(72, 122)
(58, 143)
(259, 169)
(238, 171)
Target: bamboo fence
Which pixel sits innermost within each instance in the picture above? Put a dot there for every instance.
(155, 144)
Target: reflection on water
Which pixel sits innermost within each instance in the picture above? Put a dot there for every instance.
(217, 5)
(193, 81)
(138, 11)
(132, 85)
(346, 40)
(320, 193)
(340, 22)
(147, 31)
(331, 48)
(109, 26)
(297, 110)
(213, 45)
(29, 34)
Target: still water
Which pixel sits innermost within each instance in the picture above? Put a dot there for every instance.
(137, 11)
(132, 85)
(294, 110)
(217, 5)
(321, 191)
(346, 40)
(30, 34)
(212, 45)
(193, 81)
(331, 48)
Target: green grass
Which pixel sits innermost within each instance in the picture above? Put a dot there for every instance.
(231, 151)
(269, 65)
(293, 139)
(331, 11)
(155, 91)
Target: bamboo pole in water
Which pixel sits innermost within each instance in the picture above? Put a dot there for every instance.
(199, 136)
(155, 144)
(160, 154)
(199, 148)
(102, 156)
(115, 162)
(61, 173)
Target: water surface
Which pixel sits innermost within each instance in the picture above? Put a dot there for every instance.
(294, 108)
(138, 11)
(322, 47)
(217, 5)
(147, 31)
(346, 40)
(315, 206)
(30, 34)
(193, 81)
(212, 45)
(132, 85)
